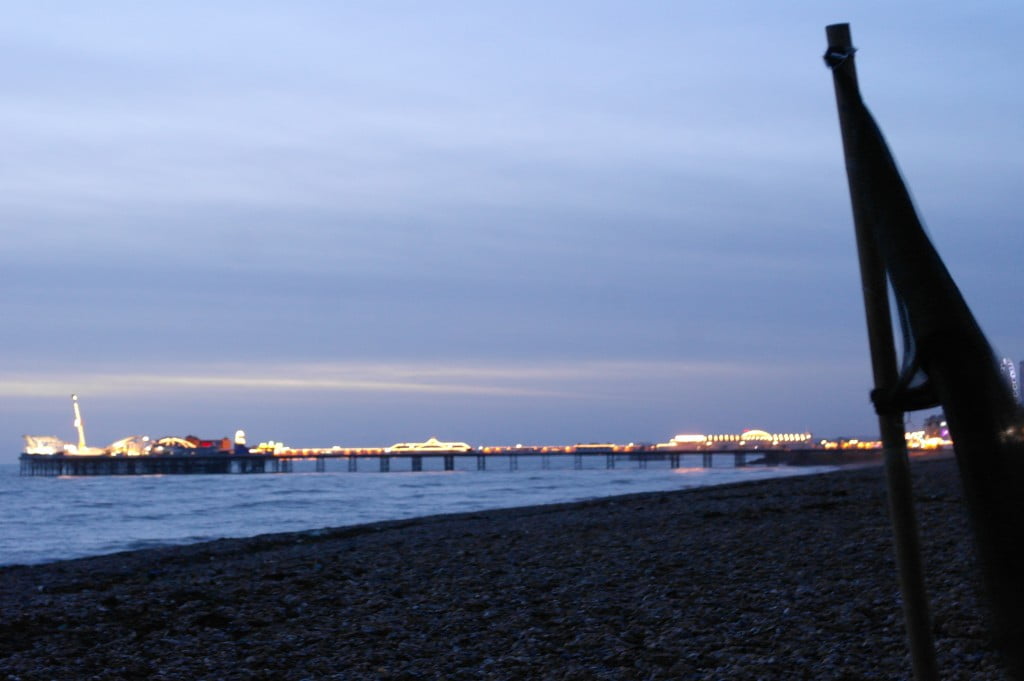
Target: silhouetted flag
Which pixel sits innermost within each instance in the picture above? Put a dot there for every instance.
(944, 344)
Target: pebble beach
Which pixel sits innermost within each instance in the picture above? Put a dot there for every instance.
(789, 578)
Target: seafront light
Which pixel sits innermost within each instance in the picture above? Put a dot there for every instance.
(141, 446)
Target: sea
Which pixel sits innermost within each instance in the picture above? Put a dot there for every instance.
(47, 519)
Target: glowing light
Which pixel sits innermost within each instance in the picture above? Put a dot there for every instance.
(689, 439)
(44, 444)
(431, 445)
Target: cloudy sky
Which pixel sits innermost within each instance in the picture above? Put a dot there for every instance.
(358, 223)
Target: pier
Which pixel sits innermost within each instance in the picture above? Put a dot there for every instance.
(52, 465)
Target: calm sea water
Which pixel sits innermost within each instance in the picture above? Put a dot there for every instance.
(47, 519)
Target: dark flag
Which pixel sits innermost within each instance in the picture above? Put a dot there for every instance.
(944, 346)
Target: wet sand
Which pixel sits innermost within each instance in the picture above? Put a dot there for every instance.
(778, 579)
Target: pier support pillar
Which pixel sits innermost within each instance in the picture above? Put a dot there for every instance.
(706, 460)
(385, 464)
(577, 461)
(481, 462)
(417, 463)
(609, 461)
(449, 462)
(321, 464)
(545, 461)
(353, 464)
(513, 462)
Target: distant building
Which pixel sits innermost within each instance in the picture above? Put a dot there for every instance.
(753, 438)
(1019, 374)
(935, 427)
(431, 445)
(1009, 370)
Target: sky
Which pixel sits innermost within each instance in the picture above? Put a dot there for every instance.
(534, 222)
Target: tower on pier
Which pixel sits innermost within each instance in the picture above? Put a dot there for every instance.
(79, 426)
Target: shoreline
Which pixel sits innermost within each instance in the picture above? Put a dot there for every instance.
(768, 579)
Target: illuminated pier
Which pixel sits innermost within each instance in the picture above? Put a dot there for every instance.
(140, 455)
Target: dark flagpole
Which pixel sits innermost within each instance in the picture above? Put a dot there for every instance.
(886, 377)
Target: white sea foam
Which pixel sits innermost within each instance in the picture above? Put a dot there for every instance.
(46, 519)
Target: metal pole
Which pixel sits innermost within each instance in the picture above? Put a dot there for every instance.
(886, 375)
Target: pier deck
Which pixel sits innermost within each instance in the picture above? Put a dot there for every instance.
(66, 465)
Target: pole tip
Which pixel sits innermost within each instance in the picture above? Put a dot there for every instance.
(838, 36)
